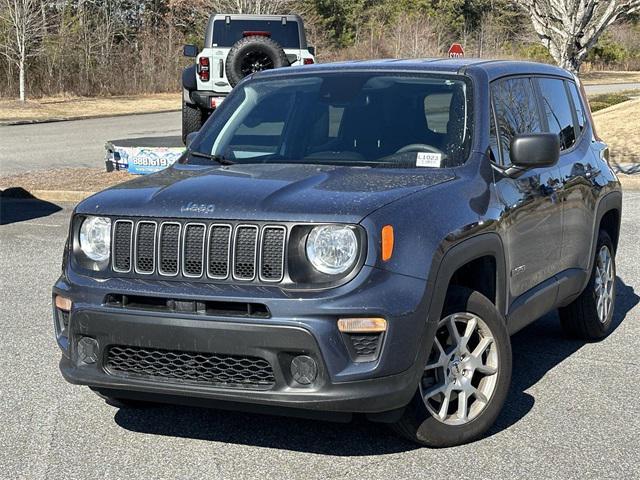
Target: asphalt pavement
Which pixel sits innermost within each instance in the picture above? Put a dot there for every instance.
(572, 411)
(76, 143)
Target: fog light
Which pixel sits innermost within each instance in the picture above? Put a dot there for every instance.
(88, 350)
(304, 369)
(63, 303)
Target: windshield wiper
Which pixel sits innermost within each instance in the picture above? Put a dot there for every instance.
(221, 159)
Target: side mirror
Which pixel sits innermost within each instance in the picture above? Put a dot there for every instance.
(190, 51)
(190, 138)
(312, 50)
(533, 150)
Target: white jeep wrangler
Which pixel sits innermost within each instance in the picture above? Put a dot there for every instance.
(236, 46)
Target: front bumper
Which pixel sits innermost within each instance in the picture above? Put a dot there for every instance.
(302, 325)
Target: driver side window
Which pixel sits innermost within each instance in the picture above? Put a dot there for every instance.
(516, 111)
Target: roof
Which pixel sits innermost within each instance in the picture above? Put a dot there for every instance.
(492, 68)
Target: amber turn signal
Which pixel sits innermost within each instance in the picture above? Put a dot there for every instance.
(63, 303)
(387, 242)
(362, 325)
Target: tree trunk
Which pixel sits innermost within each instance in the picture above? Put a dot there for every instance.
(22, 66)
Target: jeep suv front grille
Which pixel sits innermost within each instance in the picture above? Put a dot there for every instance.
(177, 366)
(199, 250)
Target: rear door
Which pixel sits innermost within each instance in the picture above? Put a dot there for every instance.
(532, 214)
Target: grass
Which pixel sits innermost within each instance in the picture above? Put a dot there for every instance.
(605, 100)
(55, 108)
(606, 77)
(619, 127)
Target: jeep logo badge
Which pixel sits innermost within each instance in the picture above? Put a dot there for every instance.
(192, 207)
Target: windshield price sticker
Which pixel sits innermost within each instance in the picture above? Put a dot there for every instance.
(429, 159)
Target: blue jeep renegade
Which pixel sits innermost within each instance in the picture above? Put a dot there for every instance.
(349, 238)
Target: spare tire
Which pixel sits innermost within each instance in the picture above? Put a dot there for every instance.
(253, 54)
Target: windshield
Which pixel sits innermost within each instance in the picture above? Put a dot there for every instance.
(369, 119)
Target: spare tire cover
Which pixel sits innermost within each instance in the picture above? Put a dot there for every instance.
(253, 54)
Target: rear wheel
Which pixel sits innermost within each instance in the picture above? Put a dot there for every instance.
(466, 378)
(590, 316)
(192, 120)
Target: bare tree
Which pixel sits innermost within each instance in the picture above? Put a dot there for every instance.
(25, 21)
(569, 28)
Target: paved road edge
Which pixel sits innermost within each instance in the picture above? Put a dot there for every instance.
(10, 123)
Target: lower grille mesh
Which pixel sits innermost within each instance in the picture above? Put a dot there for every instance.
(190, 367)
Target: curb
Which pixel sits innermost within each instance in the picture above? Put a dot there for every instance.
(9, 123)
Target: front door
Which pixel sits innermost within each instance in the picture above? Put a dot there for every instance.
(531, 223)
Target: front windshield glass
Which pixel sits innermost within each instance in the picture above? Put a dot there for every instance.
(368, 119)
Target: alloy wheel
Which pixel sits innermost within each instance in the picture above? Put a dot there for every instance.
(255, 62)
(604, 281)
(461, 374)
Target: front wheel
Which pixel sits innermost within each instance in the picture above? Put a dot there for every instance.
(466, 379)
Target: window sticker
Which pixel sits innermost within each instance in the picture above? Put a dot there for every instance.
(429, 159)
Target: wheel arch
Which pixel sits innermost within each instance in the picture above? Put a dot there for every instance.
(608, 216)
(463, 264)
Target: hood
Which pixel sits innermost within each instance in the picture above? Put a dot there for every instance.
(272, 192)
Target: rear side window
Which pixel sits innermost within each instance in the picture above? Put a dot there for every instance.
(577, 103)
(226, 34)
(516, 111)
(558, 110)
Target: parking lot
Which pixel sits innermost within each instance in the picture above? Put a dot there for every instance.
(572, 412)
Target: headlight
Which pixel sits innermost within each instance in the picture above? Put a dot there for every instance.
(95, 238)
(332, 249)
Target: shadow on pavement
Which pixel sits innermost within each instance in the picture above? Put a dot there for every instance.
(17, 205)
(536, 349)
(539, 348)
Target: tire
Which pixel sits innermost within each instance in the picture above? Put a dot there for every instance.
(583, 318)
(253, 54)
(192, 120)
(421, 422)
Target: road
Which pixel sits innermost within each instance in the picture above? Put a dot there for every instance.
(572, 411)
(76, 143)
(80, 143)
(611, 88)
